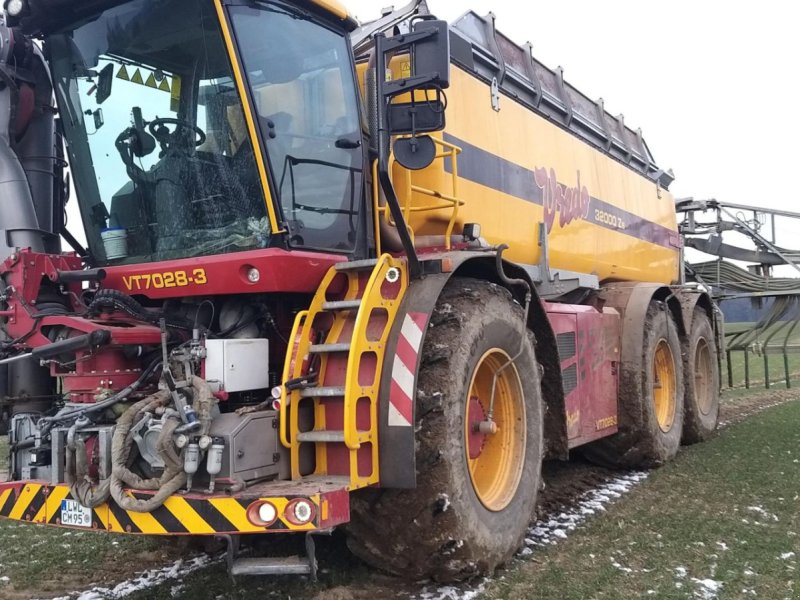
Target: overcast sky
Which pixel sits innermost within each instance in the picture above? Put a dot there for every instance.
(713, 85)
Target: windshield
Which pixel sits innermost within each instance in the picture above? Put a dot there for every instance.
(158, 144)
(303, 85)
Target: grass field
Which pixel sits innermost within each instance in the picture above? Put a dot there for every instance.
(720, 521)
(55, 560)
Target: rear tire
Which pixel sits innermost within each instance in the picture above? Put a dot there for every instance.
(475, 495)
(701, 370)
(650, 414)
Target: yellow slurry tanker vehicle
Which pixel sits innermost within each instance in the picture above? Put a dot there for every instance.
(366, 276)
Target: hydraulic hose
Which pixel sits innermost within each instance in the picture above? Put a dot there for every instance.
(174, 476)
(731, 277)
(46, 423)
(114, 300)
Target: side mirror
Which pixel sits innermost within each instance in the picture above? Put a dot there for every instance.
(430, 56)
(429, 47)
(104, 83)
(410, 118)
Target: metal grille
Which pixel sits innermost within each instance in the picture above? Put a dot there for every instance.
(570, 378)
(566, 345)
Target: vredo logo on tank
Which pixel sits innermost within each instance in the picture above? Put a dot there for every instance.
(571, 203)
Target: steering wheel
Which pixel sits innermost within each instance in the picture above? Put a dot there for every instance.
(158, 129)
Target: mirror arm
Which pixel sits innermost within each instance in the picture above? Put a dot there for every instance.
(414, 267)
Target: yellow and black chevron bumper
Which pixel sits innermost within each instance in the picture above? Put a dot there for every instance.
(189, 514)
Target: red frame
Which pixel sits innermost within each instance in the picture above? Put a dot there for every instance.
(295, 271)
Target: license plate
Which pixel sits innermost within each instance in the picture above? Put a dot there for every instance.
(75, 515)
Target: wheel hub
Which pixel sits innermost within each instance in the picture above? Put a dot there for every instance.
(495, 449)
(664, 389)
(475, 437)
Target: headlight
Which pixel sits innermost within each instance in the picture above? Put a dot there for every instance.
(299, 511)
(15, 7)
(262, 513)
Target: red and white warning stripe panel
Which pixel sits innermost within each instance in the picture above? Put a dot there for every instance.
(404, 376)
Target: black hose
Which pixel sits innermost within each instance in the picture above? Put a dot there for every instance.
(115, 300)
(107, 403)
(505, 279)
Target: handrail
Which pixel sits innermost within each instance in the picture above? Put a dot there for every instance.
(451, 200)
(292, 355)
(372, 298)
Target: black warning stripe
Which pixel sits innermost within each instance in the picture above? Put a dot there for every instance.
(280, 525)
(35, 504)
(30, 504)
(168, 520)
(209, 513)
(8, 505)
(123, 519)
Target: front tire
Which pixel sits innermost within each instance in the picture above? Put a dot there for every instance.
(475, 492)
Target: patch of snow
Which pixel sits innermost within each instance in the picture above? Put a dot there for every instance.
(549, 529)
(680, 572)
(707, 589)
(761, 512)
(618, 566)
(722, 546)
(4, 580)
(449, 592)
(143, 581)
(787, 555)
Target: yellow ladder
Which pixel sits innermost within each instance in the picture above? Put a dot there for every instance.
(335, 359)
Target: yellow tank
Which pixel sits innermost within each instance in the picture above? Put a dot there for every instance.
(538, 151)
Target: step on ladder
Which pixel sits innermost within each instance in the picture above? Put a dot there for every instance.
(332, 373)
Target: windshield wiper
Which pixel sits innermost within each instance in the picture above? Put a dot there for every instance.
(298, 13)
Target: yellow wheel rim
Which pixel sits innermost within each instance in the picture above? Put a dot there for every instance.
(703, 393)
(495, 460)
(664, 388)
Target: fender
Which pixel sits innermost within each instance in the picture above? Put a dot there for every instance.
(403, 356)
(693, 298)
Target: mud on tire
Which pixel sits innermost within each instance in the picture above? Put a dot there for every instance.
(701, 374)
(641, 440)
(441, 529)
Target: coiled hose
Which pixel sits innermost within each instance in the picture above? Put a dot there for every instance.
(173, 477)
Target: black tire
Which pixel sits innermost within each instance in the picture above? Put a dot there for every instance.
(441, 529)
(641, 442)
(701, 374)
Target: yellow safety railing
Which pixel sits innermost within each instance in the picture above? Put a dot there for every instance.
(450, 201)
(380, 298)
